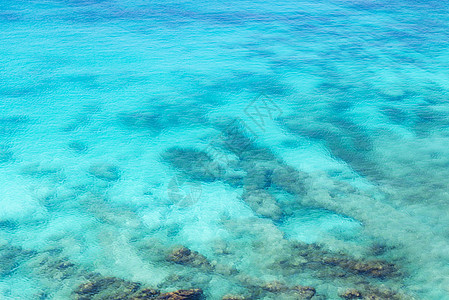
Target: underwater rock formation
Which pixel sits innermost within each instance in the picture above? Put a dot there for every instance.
(379, 269)
(194, 163)
(351, 294)
(288, 179)
(304, 292)
(106, 288)
(275, 287)
(344, 139)
(233, 297)
(111, 288)
(145, 294)
(282, 291)
(263, 168)
(184, 256)
(335, 264)
(105, 172)
(371, 293)
(192, 294)
(49, 266)
(263, 203)
(11, 257)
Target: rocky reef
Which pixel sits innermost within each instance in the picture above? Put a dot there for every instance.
(371, 293)
(194, 163)
(111, 288)
(331, 264)
(263, 203)
(184, 256)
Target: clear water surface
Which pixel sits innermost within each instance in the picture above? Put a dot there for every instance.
(285, 143)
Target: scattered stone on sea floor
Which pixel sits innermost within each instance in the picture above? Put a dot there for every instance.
(258, 177)
(235, 139)
(315, 257)
(280, 290)
(221, 247)
(196, 164)
(379, 249)
(192, 294)
(249, 281)
(375, 293)
(233, 297)
(263, 203)
(11, 257)
(112, 288)
(103, 288)
(275, 287)
(288, 179)
(351, 294)
(377, 268)
(184, 256)
(145, 294)
(49, 266)
(304, 292)
(369, 292)
(105, 171)
(262, 167)
(224, 269)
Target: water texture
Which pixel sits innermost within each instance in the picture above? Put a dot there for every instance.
(224, 150)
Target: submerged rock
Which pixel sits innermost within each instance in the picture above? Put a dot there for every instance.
(374, 293)
(104, 288)
(235, 139)
(11, 257)
(330, 264)
(106, 172)
(351, 294)
(184, 256)
(304, 292)
(280, 291)
(263, 203)
(379, 269)
(275, 287)
(145, 294)
(288, 179)
(112, 288)
(258, 177)
(196, 164)
(48, 265)
(233, 297)
(370, 293)
(192, 294)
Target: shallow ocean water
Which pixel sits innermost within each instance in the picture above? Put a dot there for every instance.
(287, 143)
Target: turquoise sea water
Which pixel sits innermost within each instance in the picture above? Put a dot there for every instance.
(287, 143)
